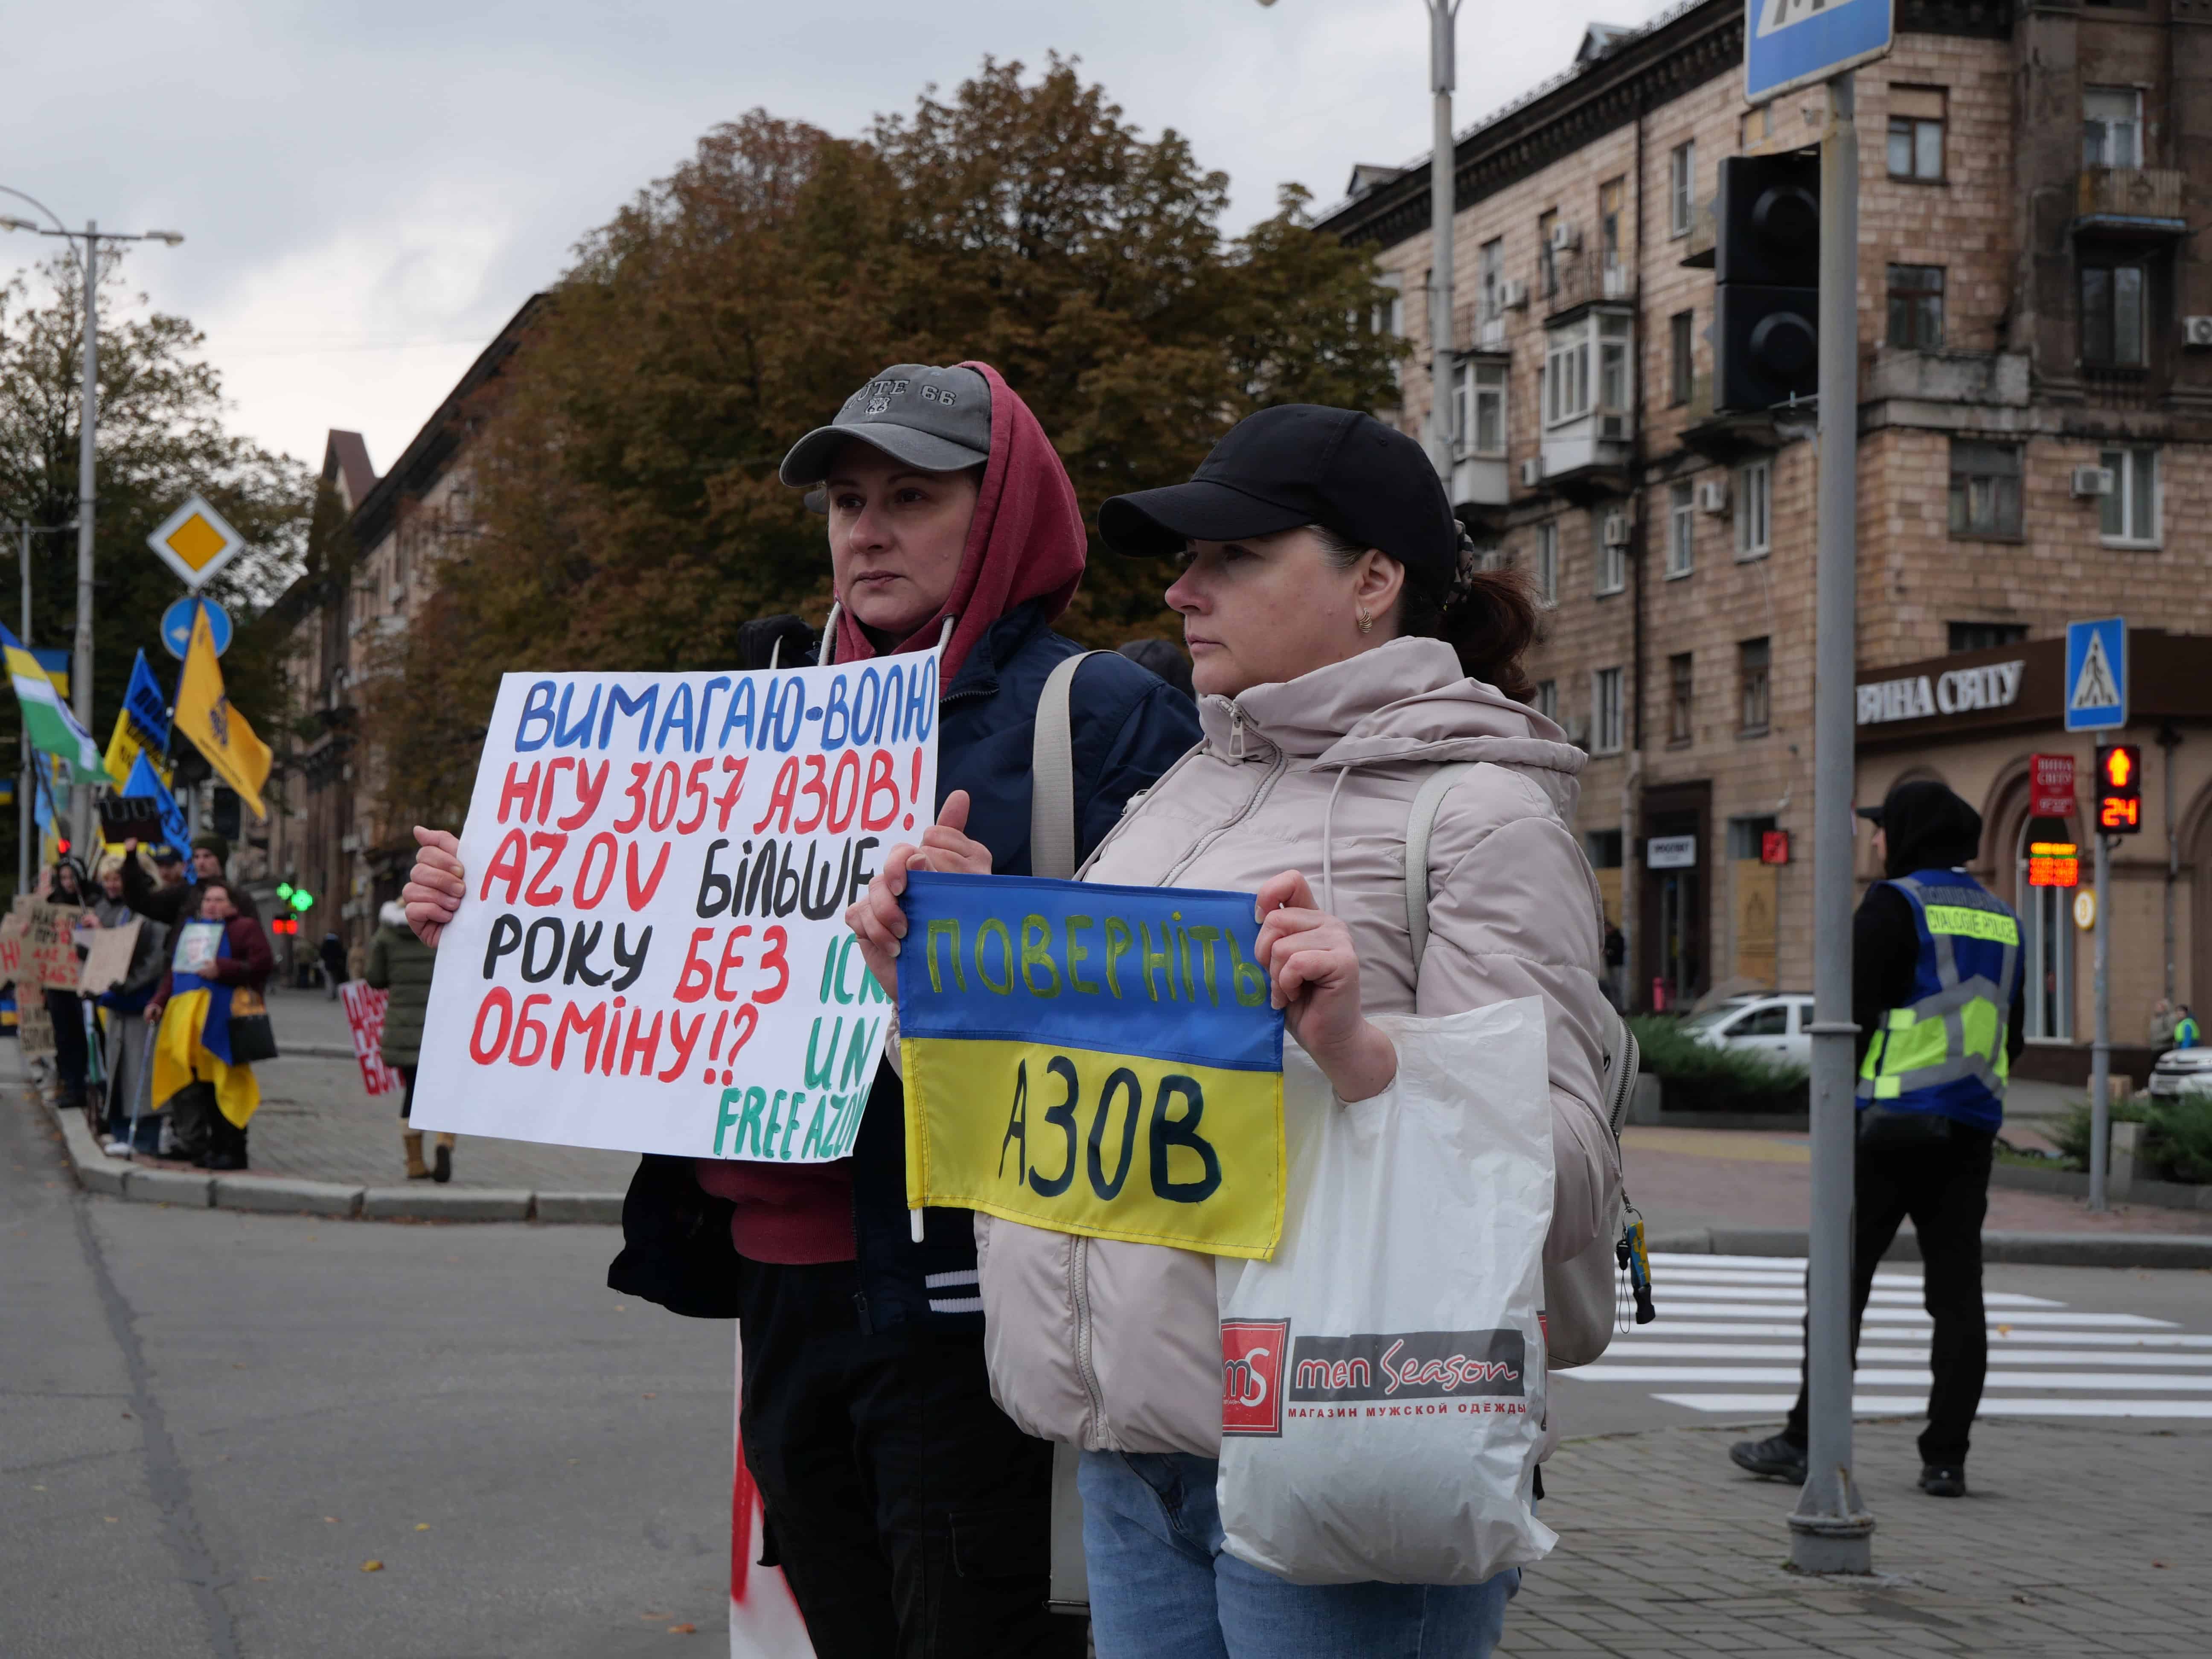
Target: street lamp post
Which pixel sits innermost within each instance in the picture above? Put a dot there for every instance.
(1443, 66)
(88, 428)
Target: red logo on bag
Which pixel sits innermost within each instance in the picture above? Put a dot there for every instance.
(1252, 1375)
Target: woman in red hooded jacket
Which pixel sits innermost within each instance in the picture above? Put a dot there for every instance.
(909, 1514)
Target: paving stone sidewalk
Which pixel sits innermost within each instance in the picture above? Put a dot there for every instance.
(2076, 1540)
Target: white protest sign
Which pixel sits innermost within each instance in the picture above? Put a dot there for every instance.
(651, 955)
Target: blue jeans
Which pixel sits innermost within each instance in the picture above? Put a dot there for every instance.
(1162, 1587)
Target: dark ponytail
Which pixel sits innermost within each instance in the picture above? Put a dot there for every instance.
(1487, 617)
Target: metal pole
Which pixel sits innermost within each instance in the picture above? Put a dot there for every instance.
(87, 426)
(1631, 776)
(2100, 1053)
(1831, 1530)
(23, 805)
(1444, 59)
(2169, 739)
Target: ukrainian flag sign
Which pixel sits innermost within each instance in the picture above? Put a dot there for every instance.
(1093, 1060)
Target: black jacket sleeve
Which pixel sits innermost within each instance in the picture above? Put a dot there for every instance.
(156, 903)
(1885, 949)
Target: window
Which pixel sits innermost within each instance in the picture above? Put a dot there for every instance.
(1746, 835)
(1682, 380)
(1612, 196)
(2112, 127)
(2112, 307)
(1916, 132)
(1547, 269)
(1605, 712)
(1389, 319)
(1984, 488)
(2130, 513)
(1986, 636)
(1612, 364)
(1478, 407)
(1771, 1020)
(1567, 374)
(1548, 564)
(1611, 565)
(1548, 699)
(1602, 848)
(1681, 529)
(1490, 277)
(1679, 729)
(1682, 189)
(1916, 307)
(1568, 383)
(1751, 671)
(1754, 510)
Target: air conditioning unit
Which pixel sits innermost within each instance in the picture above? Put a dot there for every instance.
(1712, 497)
(1613, 429)
(1565, 239)
(2089, 480)
(1532, 473)
(1513, 295)
(1490, 333)
(1616, 530)
(2196, 331)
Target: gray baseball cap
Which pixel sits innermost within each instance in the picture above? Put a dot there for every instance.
(937, 419)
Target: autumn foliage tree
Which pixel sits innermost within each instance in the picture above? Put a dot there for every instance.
(628, 510)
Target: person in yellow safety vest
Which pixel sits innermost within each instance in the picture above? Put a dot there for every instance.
(2186, 1034)
(1936, 994)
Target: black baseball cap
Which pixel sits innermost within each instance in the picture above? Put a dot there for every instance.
(1300, 464)
(937, 419)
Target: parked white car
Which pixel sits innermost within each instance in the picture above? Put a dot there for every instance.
(1771, 1023)
(2182, 1072)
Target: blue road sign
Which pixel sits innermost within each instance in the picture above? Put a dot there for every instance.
(2096, 675)
(1793, 43)
(177, 627)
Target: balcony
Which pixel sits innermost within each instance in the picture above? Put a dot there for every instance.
(1727, 438)
(2130, 204)
(1948, 377)
(1589, 279)
(1701, 248)
(1480, 481)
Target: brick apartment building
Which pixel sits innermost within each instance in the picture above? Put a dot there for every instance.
(329, 832)
(2036, 445)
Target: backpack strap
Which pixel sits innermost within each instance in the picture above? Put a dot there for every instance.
(1052, 775)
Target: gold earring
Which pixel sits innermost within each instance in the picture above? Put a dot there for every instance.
(1366, 621)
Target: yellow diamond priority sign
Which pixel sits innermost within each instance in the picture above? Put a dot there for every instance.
(195, 541)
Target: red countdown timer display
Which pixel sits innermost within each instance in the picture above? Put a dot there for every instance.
(2119, 789)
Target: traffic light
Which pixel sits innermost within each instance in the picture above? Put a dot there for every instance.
(297, 898)
(2119, 789)
(1766, 274)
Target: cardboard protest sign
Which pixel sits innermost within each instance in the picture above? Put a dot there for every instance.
(364, 1012)
(1094, 1059)
(651, 955)
(108, 959)
(35, 1027)
(38, 944)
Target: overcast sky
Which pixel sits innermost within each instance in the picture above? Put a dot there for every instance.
(368, 191)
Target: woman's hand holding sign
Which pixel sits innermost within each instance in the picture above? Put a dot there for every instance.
(879, 919)
(1314, 974)
(436, 885)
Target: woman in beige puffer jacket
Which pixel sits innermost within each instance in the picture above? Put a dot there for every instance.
(1323, 563)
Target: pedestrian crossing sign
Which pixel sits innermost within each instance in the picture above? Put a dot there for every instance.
(2096, 675)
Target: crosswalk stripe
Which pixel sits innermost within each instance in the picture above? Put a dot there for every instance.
(1998, 1335)
(2045, 1358)
(1881, 1354)
(1880, 1377)
(1878, 1315)
(1908, 1406)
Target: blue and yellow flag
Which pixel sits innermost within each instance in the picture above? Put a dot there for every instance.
(1093, 1060)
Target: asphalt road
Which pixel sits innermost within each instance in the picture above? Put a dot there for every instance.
(209, 1421)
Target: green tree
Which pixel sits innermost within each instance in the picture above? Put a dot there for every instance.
(161, 437)
(630, 514)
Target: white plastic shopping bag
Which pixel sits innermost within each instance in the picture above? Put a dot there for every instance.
(1383, 1393)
